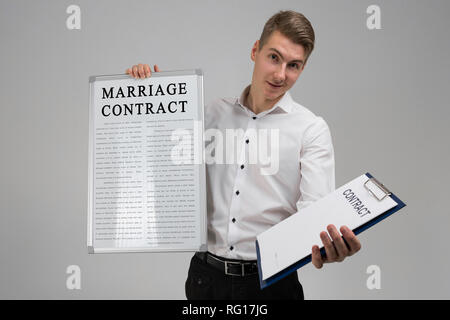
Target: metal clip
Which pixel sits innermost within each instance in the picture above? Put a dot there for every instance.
(380, 186)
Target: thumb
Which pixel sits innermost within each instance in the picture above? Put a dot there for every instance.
(156, 68)
(316, 258)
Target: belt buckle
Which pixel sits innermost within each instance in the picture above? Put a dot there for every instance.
(233, 274)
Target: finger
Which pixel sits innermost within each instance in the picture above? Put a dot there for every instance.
(316, 258)
(339, 244)
(157, 68)
(329, 248)
(141, 71)
(351, 240)
(128, 71)
(148, 71)
(135, 71)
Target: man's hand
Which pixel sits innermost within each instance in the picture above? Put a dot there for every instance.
(338, 249)
(141, 71)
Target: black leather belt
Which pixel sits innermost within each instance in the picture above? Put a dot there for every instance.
(229, 267)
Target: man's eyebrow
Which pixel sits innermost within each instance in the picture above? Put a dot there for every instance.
(279, 53)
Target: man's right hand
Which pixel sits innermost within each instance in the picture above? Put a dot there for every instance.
(141, 71)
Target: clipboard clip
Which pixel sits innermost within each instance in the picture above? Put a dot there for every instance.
(380, 186)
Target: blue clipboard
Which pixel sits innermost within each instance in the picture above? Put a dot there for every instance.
(294, 267)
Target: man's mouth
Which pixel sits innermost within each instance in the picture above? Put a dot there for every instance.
(274, 85)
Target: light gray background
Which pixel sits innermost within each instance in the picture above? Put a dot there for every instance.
(384, 94)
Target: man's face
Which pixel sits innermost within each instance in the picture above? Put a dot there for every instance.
(277, 66)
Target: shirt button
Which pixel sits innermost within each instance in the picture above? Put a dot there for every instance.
(231, 248)
(234, 220)
(242, 166)
(247, 141)
(237, 192)
(254, 118)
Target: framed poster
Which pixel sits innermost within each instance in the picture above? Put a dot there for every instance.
(147, 188)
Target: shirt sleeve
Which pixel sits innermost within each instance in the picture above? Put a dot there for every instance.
(316, 164)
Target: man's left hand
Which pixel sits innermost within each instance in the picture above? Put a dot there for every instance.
(336, 248)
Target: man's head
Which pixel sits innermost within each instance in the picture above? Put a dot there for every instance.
(292, 25)
(280, 54)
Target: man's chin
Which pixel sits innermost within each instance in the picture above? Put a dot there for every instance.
(274, 96)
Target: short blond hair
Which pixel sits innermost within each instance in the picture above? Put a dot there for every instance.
(293, 25)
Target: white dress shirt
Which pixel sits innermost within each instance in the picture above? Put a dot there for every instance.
(245, 198)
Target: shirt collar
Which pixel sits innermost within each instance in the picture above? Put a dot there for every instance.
(285, 103)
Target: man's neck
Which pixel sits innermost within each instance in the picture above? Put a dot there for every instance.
(258, 105)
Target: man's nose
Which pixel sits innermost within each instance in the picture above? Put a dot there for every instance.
(280, 74)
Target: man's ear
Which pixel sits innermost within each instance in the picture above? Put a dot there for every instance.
(254, 50)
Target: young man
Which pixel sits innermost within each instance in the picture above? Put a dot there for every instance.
(242, 200)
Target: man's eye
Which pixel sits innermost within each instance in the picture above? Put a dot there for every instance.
(294, 65)
(273, 57)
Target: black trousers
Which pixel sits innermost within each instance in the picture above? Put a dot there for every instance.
(204, 282)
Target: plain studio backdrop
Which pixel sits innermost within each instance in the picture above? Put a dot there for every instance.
(383, 92)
